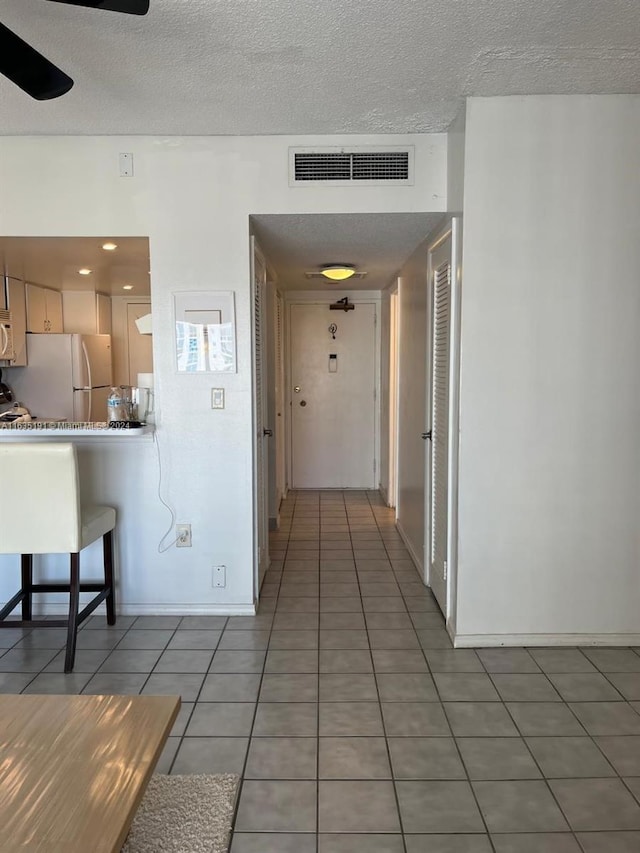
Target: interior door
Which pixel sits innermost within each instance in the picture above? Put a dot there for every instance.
(440, 410)
(262, 432)
(333, 380)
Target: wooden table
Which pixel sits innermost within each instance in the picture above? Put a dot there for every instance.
(73, 769)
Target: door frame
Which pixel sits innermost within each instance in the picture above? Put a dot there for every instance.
(394, 376)
(323, 298)
(452, 229)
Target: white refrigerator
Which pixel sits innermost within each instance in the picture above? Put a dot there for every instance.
(67, 376)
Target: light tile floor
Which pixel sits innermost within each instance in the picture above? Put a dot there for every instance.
(354, 724)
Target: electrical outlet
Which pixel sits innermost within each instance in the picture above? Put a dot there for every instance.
(183, 536)
(126, 165)
(219, 576)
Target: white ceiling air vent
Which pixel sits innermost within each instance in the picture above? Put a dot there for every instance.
(361, 165)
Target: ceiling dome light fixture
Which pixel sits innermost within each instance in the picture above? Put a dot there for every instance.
(85, 271)
(338, 272)
(109, 247)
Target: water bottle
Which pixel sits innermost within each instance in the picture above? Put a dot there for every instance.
(114, 405)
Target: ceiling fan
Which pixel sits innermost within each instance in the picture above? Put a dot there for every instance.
(31, 71)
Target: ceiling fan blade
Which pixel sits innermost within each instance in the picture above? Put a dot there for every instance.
(29, 70)
(129, 7)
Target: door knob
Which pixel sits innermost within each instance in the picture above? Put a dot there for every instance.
(268, 432)
(297, 389)
(427, 435)
(303, 402)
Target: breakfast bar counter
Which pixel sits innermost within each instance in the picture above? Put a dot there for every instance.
(64, 430)
(118, 468)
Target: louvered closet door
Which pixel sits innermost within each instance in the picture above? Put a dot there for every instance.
(440, 385)
(280, 401)
(261, 458)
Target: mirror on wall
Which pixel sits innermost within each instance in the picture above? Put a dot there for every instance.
(79, 287)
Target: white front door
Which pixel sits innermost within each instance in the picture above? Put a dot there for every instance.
(438, 475)
(333, 376)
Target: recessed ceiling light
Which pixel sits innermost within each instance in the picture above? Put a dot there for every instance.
(338, 272)
(109, 247)
(127, 287)
(85, 271)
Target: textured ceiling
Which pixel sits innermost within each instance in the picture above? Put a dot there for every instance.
(377, 243)
(313, 66)
(55, 261)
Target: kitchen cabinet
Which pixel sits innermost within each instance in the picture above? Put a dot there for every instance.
(103, 314)
(44, 309)
(86, 312)
(15, 300)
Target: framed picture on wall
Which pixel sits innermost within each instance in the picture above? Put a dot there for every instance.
(205, 327)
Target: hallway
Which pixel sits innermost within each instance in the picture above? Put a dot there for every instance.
(355, 725)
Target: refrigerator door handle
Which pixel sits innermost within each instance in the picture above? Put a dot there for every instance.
(88, 363)
(89, 383)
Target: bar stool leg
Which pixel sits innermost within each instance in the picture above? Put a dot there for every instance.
(74, 599)
(107, 547)
(26, 565)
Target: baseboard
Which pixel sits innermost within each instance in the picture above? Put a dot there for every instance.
(159, 610)
(274, 522)
(417, 562)
(470, 641)
(383, 494)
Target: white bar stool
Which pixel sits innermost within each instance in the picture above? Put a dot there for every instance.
(41, 513)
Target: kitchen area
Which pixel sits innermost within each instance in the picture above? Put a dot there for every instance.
(75, 336)
(75, 333)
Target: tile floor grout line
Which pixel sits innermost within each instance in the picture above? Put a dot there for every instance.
(386, 737)
(196, 700)
(317, 839)
(242, 774)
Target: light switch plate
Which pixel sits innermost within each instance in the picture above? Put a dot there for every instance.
(217, 398)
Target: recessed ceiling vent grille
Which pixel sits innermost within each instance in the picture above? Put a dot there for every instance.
(360, 165)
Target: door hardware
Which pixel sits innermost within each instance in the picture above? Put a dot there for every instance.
(297, 389)
(303, 402)
(427, 435)
(342, 305)
(267, 432)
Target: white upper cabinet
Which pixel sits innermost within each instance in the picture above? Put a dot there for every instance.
(86, 312)
(44, 309)
(103, 314)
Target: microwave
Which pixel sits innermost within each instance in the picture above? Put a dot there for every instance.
(7, 352)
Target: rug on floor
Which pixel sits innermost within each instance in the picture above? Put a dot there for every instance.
(184, 814)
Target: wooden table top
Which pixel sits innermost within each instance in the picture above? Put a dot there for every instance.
(73, 769)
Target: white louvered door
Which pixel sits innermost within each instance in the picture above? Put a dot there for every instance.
(261, 475)
(440, 407)
(279, 425)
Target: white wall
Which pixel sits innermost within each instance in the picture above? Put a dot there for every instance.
(193, 198)
(455, 163)
(412, 355)
(549, 540)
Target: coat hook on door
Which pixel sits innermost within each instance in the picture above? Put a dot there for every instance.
(342, 305)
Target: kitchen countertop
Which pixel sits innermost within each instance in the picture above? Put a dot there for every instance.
(66, 429)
